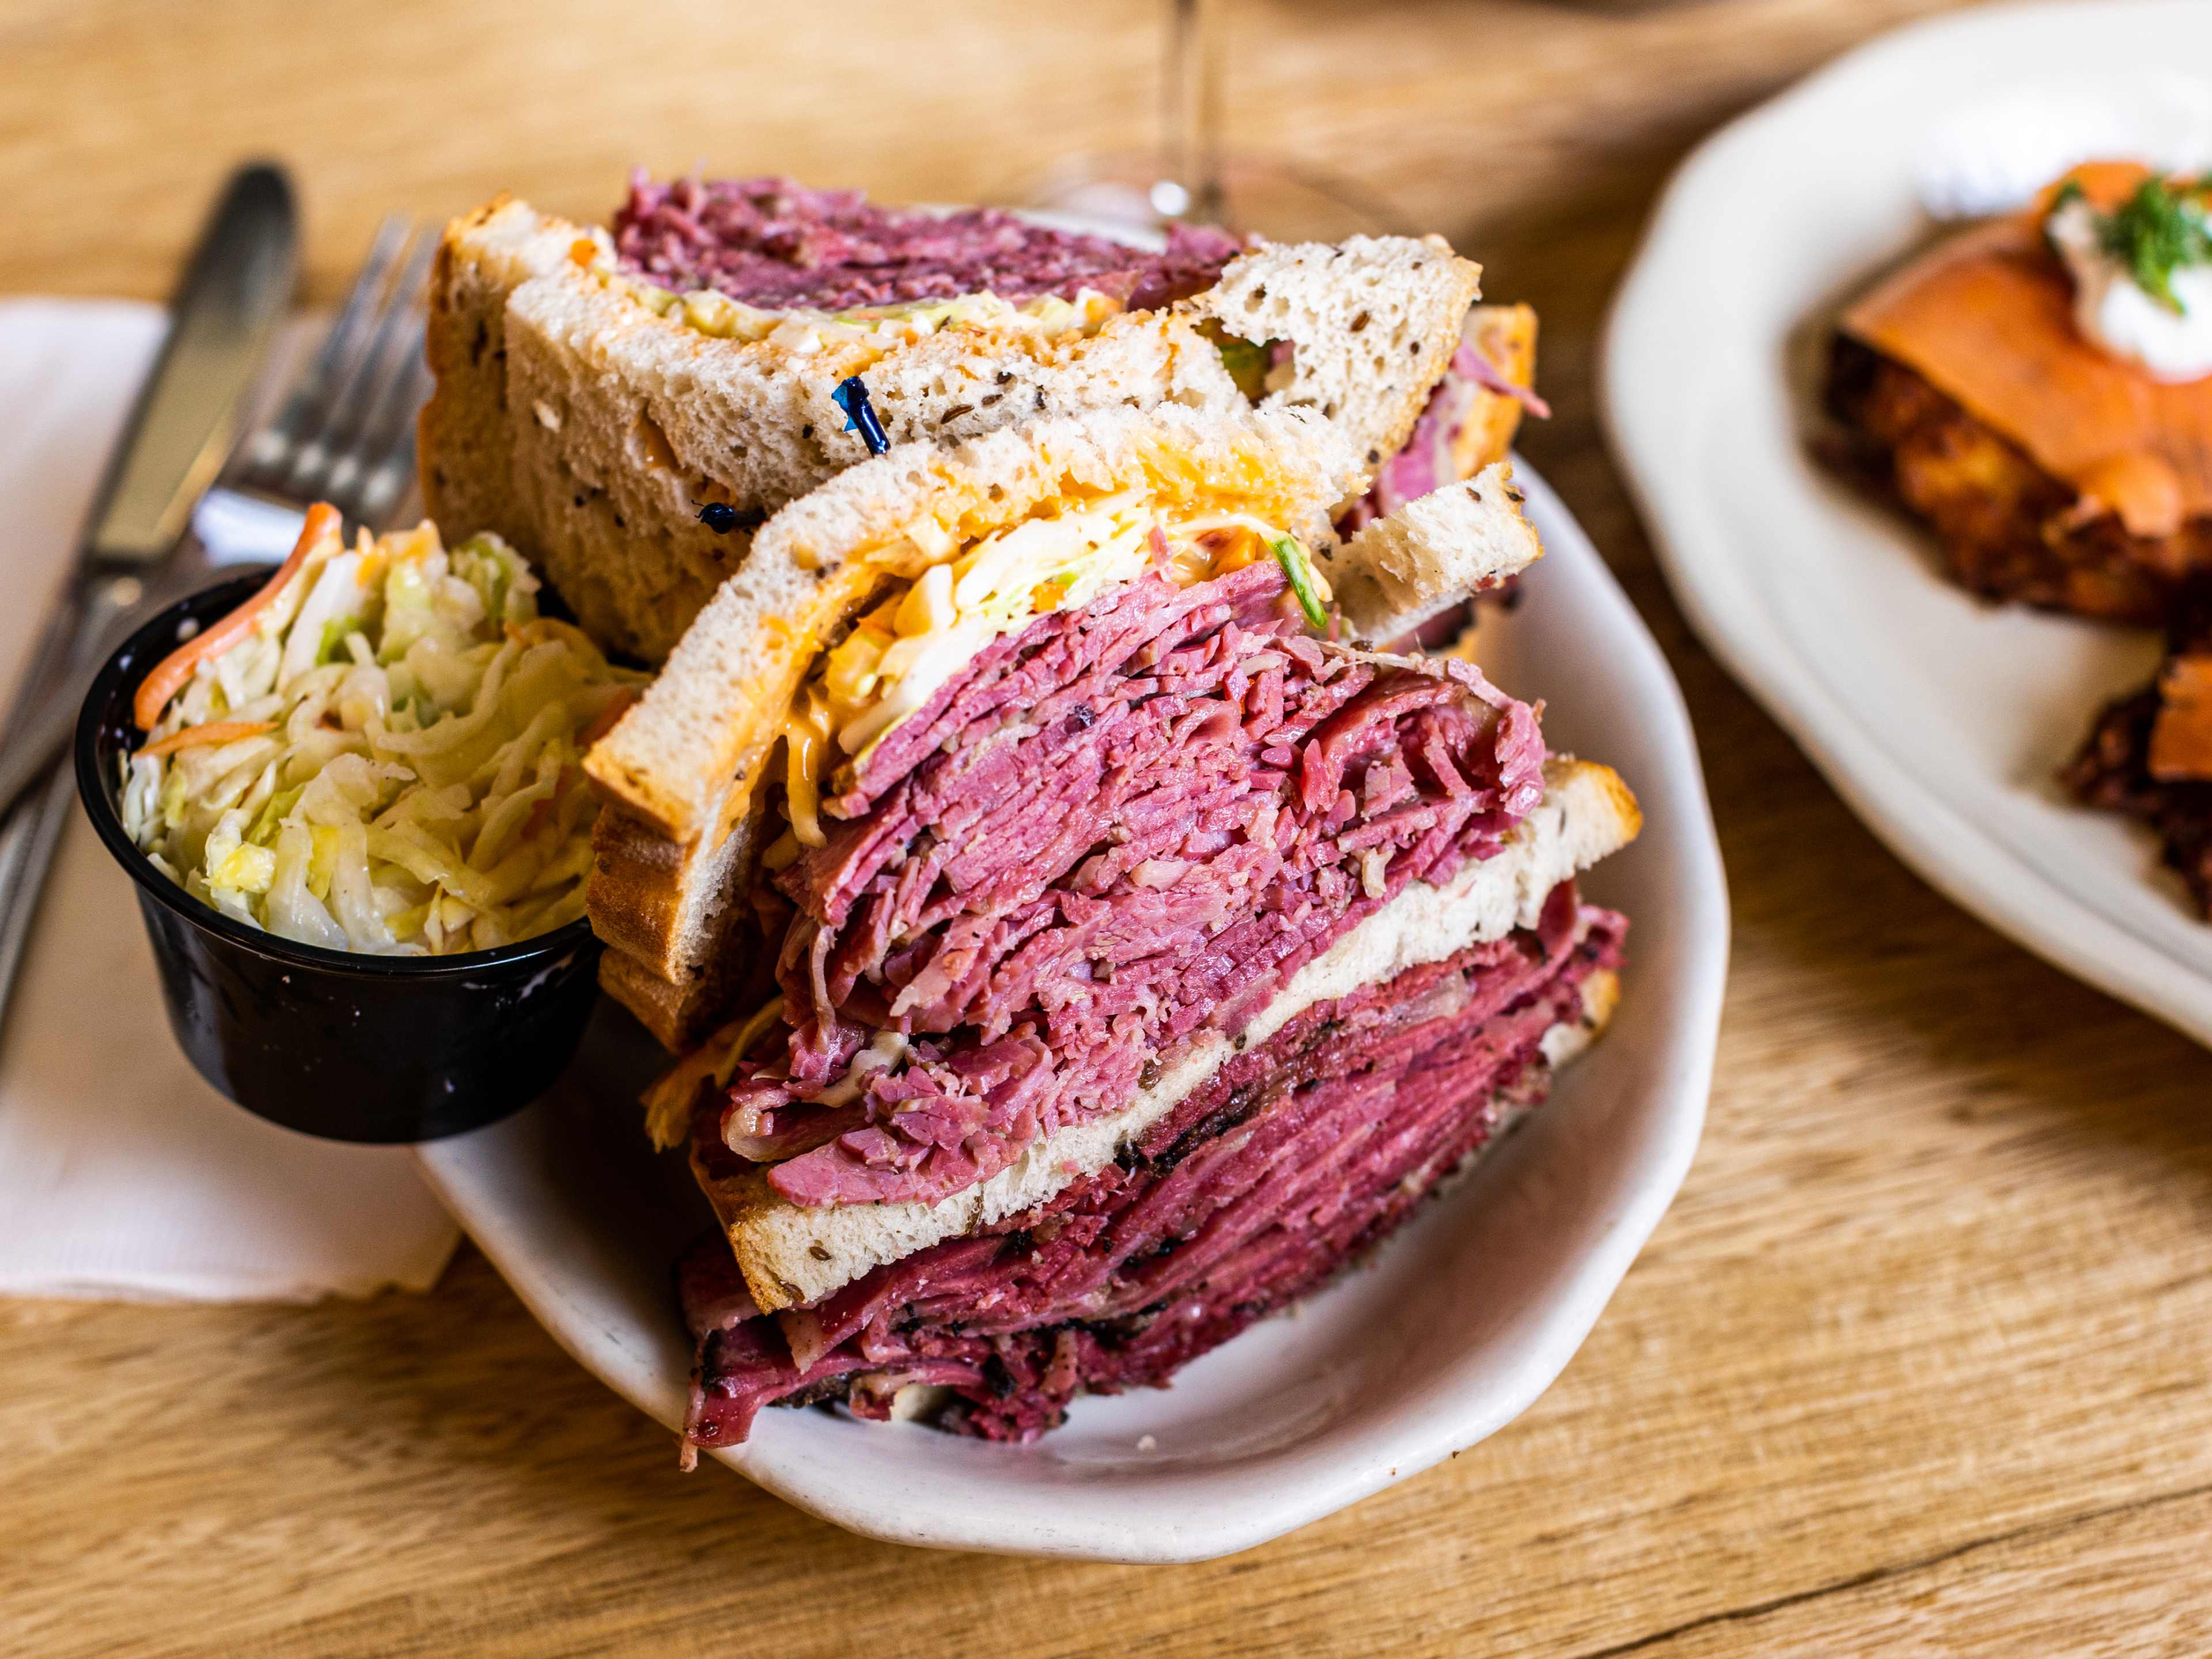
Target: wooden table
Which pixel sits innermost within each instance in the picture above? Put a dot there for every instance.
(1919, 1361)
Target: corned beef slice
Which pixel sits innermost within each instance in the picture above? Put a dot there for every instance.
(1424, 463)
(1125, 824)
(1294, 1159)
(776, 245)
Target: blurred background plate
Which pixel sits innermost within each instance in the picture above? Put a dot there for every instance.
(1459, 1323)
(1940, 719)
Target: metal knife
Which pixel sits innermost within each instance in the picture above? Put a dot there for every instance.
(188, 417)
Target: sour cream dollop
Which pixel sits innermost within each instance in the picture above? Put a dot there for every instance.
(2115, 312)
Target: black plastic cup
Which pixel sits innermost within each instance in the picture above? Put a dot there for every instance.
(346, 1046)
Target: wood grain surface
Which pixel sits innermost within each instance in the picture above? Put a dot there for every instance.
(1918, 1361)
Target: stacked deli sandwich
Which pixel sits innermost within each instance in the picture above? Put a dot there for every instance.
(1081, 939)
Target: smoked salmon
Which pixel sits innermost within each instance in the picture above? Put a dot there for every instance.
(2054, 473)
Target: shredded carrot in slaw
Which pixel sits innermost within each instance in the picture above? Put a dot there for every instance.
(604, 720)
(197, 737)
(175, 671)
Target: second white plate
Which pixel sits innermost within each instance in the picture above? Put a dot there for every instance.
(1940, 719)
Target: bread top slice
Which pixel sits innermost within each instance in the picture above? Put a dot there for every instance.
(509, 241)
(590, 417)
(752, 414)
(1371, 322)
(793, 1255)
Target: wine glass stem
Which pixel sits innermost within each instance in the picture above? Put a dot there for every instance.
(1192, 113)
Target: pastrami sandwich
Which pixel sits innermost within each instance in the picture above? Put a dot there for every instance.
(631, 404)
(758, 696)
(1140, 947)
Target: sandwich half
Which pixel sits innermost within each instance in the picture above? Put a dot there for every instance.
(1141, 946)
(598, 390)
(752, 706)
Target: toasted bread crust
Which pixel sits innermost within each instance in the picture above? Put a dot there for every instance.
(1506, 336)
(464, 455)
(675, 922)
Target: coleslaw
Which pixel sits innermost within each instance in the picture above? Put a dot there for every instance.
(379, 751)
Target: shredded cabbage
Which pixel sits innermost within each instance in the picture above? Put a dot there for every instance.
(389, 762)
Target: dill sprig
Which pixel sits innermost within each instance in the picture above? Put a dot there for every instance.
(2155, 233)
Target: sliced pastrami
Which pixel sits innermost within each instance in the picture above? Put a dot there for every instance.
(778, 246)
(1134, 821)
(1294, 1159)
(1425, 462)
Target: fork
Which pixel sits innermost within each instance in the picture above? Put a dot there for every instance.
(345, 434)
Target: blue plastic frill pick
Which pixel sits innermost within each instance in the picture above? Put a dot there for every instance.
(852, 396)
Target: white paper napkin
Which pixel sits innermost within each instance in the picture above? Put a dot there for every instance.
(122, 1174)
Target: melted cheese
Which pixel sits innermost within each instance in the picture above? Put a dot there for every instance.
(668, 1102)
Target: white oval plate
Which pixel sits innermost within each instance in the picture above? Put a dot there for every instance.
(1940, 719)
(1459, 1323)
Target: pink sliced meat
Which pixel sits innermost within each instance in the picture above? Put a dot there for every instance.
(1425, 463)
(1295, 1158)
(1130, 823)
(779, 245)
